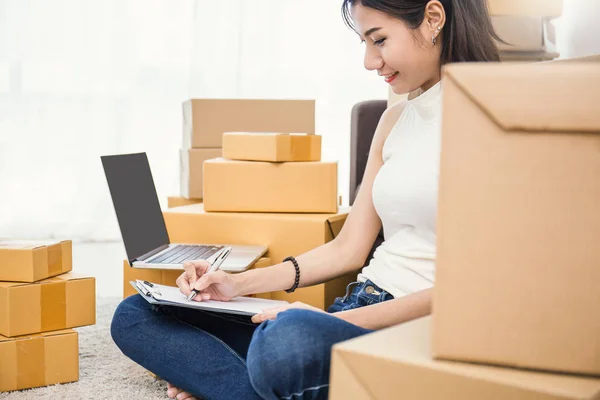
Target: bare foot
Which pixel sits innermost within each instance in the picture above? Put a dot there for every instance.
(176, 393)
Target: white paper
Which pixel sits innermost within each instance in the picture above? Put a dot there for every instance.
(245, 305)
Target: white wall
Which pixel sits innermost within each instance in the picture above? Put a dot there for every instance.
(83, 78)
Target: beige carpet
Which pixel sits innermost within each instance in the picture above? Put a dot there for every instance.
(104, 373)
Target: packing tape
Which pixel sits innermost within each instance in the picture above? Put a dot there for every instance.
(53, 305)
(299, 146)
(54, 259)
(31, 362)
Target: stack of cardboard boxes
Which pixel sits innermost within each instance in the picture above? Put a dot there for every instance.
(516, 306)
(269, 188)
(526, 28)
(40, 300)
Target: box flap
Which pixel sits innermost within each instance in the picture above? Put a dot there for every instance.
(31, 336)
(542, 97)
(14, 284)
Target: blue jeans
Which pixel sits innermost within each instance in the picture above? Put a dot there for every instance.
(222, 356)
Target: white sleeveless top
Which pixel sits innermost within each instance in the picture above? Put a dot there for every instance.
(405, 197)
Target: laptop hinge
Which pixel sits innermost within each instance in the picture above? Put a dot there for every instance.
(149, 254)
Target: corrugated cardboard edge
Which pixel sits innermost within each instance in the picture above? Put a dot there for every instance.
(510, 80)
(187, 137)
(345, 384)
(184, 173)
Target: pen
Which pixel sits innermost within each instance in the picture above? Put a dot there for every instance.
(213, 268)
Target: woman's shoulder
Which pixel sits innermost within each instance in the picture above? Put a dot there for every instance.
(390, 117)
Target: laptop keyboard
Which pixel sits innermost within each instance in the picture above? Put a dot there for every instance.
(185, 252)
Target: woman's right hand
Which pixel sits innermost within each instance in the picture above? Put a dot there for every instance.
(216, 285)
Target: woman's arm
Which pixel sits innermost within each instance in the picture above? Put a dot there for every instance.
(391, 312)
(349, 250)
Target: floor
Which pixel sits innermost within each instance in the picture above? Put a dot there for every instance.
(104, 261)
(104, 373)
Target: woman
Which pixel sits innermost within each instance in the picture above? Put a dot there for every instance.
(287, 356)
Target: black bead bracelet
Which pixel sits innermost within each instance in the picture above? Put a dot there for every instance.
(297, 280)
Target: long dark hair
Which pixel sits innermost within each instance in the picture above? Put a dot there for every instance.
(468, 32)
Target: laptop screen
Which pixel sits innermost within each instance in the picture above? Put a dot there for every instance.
(136, 203)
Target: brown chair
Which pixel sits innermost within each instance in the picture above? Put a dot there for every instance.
(364, 119)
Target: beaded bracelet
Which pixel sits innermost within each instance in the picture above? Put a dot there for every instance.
(297, 268)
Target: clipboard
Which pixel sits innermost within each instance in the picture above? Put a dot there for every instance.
(154, 293)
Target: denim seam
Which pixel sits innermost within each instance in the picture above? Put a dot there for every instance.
(304, 390)
(218, 340)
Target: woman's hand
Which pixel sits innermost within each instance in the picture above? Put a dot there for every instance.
(271, 313)
(216, 285)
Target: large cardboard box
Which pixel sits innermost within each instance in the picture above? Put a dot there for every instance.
(205, 120)
(274, 147)
(30, 261)
(174, 201)
(38, 360)
(283, 234)
(65, 301)
(535, 8)
(163, 276)
(527, 56)
(518, 277)
(255, 186)
(190, 171)
(524, 33)
(396, 363)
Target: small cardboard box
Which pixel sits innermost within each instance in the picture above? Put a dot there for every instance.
(162, 276)
(205, 120)
(190, 171)
(38, 360)
(174, 201)
(283, 234)
(534, 8)
(31, 261)
(65, 301)
(273, 147)
(396, 363)
(518, 277)
(255, 186)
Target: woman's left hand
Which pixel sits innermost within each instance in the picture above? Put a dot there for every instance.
(271, 313)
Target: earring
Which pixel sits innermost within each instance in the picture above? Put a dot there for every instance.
(434, 36)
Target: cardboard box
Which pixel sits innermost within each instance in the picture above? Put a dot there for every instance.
(524, 33)
(205, 120)
(274, 147)
(174, 201)
(283, 234)
(30, 261)
(38, 360)
(535, 8)
(254, 186)
(527, 57)
(164, 276)
(161, 276)
(517, 279)
(65, 301)
(396, 363)
(190, 171)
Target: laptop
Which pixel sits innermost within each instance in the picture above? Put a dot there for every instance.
(143, 227)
